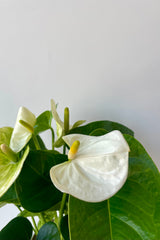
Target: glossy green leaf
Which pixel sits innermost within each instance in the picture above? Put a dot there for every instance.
(9, 170)
(78, 123)
(98, 132)
(10, 196)
(89, 220)
(48, 231)
(40, 141)
(107, 125)
(34, 187)
(64, 228)
(59, 143)
(134, 210)
(5, 135)
(43, 122)
(17, 229)
(2, 204)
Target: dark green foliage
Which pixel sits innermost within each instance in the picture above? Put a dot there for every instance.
(17, 229)
(34, 187)
(48, 231)
(107, 125)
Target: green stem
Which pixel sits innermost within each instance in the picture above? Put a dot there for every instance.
(36, 142)
(62, 208)
(42, 218)
(35, 226)
(55, 218)
(19, 208)
(52, 131)
(63, 199)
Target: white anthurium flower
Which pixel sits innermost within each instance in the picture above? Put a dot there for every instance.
(97, 171)
(22, 133)
(59, 122)
(10, 164)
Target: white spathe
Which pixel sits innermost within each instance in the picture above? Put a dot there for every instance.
(59, 122)
(99, 169)
(21, 135)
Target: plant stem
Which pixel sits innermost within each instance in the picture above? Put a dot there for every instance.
(42, 218)
(55, 218)
(62, 208)
(36, 142)
(18, 208)
(35, 226)
(63, 199)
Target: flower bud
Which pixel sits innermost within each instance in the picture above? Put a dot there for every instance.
(66, 120)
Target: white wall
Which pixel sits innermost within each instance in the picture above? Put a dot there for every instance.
(99, 57)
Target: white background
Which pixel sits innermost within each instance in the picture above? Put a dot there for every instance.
(100, 58)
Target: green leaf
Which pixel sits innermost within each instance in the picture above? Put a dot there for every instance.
(98, 132)
(9, 170)
(10, 196)
(5, 135)
(88, 129)
(134, 210)
(17, 229)
(59, 143)
(89, 220)
(40, 141)
(107, 125)
(48, 231)
(43, 122)
(2, 204)
(78, 123)
(34, 186)
(64, 228)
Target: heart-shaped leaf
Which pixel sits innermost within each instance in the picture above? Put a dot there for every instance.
(107, 125)
(43, 122)
(34, 187)
(133, 213)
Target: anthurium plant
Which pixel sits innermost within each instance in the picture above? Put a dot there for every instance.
(97, 182)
